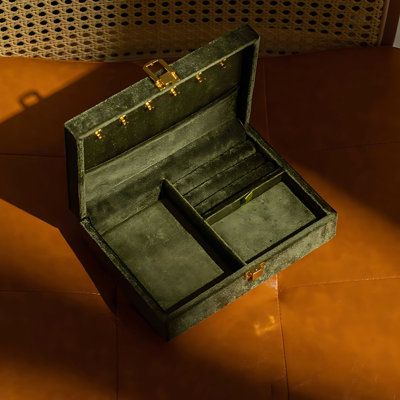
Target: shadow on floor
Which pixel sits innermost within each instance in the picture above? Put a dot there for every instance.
(36, 183)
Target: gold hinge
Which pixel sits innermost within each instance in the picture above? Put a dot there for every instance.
(99, 134)
(167, 78)
(123, 120)
(256, 273)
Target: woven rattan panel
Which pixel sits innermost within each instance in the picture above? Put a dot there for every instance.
(114, 30)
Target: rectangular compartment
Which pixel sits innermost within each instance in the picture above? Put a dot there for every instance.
(159, 252)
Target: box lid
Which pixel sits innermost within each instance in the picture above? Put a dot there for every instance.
(145, 110)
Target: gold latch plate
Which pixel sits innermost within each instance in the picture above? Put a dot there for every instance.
(256, 273)
(165, 79)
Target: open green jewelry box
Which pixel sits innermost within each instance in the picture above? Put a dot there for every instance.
(180, 196)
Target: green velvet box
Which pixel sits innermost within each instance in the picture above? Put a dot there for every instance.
(181, 197)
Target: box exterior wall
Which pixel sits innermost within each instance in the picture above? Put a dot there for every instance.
(236, 285)
(223, 293)
(137, 295)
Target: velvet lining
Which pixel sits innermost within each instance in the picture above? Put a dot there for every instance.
(196, 142)
(218, 116)
(277, 213)
(159, 251)
(150, 204)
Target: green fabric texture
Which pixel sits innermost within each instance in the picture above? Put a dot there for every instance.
(186, 198)
(160, 252)
(265, 220)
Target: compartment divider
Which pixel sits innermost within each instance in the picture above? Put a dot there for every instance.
(234, 202)
(235, 188)
(206, 231)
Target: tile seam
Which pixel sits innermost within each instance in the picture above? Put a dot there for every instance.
(326, 149)
(283, 339)
(116, 352)
(341, 281)
(47, 291)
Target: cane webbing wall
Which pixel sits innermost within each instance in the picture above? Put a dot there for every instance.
(114, 30)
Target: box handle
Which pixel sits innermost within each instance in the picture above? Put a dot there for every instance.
(167, 78)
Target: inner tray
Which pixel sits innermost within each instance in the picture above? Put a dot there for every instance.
(261, 218)
(163, 255)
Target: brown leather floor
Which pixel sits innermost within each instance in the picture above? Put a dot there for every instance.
(328, 327)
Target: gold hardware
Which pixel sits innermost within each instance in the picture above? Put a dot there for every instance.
(123, 120)
(173, 92)
(256, 273)
(246, 198)
(149, 105)
(222, 63)
(99, 134)
(165, 78)
(199, 77)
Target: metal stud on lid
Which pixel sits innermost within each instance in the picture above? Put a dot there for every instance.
(173, 92)
(99, 134)
(149, 105)
(123, 120)
(200, 78)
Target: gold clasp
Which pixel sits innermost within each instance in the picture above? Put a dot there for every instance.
(167, 78)
(256, 273)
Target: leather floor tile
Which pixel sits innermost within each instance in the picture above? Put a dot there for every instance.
(342, 340)
(363, 185)
(42, 95)
(40, 244)
(56, 346)
(234, 354)
(334, 99)
(26, 81)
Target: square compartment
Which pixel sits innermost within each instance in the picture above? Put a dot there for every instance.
(261, 218)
